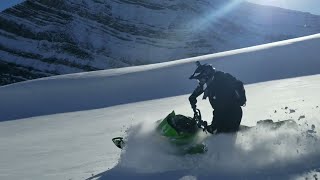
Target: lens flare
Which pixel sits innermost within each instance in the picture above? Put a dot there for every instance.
(212, 15)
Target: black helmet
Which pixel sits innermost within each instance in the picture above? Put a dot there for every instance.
(203, 72)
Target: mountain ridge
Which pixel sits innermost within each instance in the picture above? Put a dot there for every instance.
(68, 36)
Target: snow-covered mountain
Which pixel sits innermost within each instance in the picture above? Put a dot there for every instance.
(60, 127)
(43, 38)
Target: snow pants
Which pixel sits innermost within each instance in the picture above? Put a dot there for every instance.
(227, 120)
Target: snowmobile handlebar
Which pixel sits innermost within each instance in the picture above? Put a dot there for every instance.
(197, 114)
(198, 118)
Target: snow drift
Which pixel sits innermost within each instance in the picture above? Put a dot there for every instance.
(260, 153)
(291, 58)
(76, 143)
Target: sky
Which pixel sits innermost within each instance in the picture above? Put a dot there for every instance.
(312, 6)
(4, 4)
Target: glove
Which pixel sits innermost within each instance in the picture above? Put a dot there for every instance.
(209, 129)
(204, 124)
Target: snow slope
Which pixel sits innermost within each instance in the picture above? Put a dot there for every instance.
(100, 89)
(60, 127)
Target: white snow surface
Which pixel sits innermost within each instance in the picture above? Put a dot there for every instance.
(61, 127)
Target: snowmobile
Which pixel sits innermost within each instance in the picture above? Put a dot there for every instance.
(181, 131)
(184, 132)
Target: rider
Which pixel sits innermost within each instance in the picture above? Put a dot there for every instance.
(226, 95)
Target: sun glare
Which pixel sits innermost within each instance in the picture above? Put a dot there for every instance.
(280, 3)
(213, 15)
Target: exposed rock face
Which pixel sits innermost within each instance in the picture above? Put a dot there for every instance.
(43, 37)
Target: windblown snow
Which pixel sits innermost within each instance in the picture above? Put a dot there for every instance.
(61, 127)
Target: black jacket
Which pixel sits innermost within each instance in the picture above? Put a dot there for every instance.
(220, 91)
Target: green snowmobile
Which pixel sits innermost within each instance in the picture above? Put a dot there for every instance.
(181, 131)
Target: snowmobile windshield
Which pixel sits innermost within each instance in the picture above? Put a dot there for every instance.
(179, 129)
(183, 124)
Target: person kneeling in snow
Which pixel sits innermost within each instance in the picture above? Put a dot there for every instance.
(226, 95)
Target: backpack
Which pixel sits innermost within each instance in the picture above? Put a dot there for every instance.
(240, 93)
(238, 88)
